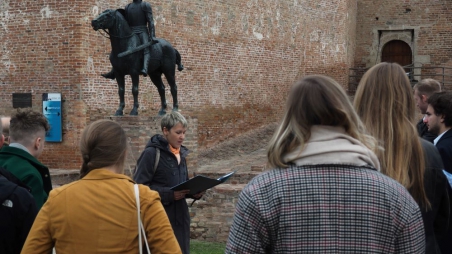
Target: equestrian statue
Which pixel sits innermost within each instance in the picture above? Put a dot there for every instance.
(135, 51)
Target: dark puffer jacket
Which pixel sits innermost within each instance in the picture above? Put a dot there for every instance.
(17, 213)
(167, 174)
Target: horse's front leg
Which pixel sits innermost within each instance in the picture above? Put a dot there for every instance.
(172, 83)
(135, 82)
(157, 80)
(121, 90)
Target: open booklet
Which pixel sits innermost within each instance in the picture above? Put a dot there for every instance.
(201, 183)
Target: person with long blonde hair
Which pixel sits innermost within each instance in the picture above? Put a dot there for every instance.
(384, 101)
(324, 193)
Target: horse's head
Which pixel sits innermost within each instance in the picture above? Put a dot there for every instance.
(105, 20)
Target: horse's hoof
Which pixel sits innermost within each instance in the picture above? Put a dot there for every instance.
(162, 112)
(134, 112)
(176, 109)
(180, 67)
(118, 112)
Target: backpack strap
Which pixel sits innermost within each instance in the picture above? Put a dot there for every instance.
(157, 158)
(8, 175)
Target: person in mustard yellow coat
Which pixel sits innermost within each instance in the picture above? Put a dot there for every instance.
(98, 213)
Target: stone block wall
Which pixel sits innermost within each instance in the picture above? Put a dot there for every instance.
(211, 217)
(240, 58)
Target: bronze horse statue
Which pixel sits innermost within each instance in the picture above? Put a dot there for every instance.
(164, 57)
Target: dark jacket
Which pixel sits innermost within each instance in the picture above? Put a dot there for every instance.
(436, 220)
(422, 129)
(444, 146)
(167, 174)
(29, 171)
(17, 213)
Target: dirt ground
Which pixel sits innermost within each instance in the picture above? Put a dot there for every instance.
(240, 153)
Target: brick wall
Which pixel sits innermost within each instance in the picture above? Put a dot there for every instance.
(240, 59)
(428, 21)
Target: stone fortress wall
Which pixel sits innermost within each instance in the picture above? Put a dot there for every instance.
(240, 59)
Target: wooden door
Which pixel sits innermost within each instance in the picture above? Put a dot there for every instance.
(397, 51)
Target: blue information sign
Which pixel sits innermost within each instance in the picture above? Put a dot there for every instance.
(51, 108)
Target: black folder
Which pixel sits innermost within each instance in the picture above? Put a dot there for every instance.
(201, 183)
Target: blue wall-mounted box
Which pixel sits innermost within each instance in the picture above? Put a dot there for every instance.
(51, 108)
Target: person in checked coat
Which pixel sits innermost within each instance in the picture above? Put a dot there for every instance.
(324, 193)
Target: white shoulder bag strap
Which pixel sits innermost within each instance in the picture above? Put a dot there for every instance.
(141, 230)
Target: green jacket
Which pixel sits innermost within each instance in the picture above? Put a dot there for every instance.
(29, 171)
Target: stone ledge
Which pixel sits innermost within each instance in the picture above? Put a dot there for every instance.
(64, 176)
(258, 168)
(240, 177)
(226, 188)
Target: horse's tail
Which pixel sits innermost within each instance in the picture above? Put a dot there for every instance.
(180, 67)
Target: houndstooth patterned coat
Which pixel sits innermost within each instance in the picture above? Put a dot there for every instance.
(326, 209)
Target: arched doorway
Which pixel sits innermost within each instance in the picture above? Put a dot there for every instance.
(397, 51)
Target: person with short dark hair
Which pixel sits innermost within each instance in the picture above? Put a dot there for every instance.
(98, 213)
(439, 121)
(438, 118)
(325, 193)
(422, 91)
(27, 132)
(17, 210)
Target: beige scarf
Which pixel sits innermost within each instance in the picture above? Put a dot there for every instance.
(332, 145)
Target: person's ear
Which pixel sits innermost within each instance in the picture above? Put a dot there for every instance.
(424, 98)
(2, 140)
(165, 131)
(37, 143)
(442, 118)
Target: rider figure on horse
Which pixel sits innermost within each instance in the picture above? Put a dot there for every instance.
(140, 19)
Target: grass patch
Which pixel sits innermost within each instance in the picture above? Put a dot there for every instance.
(200, 247)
